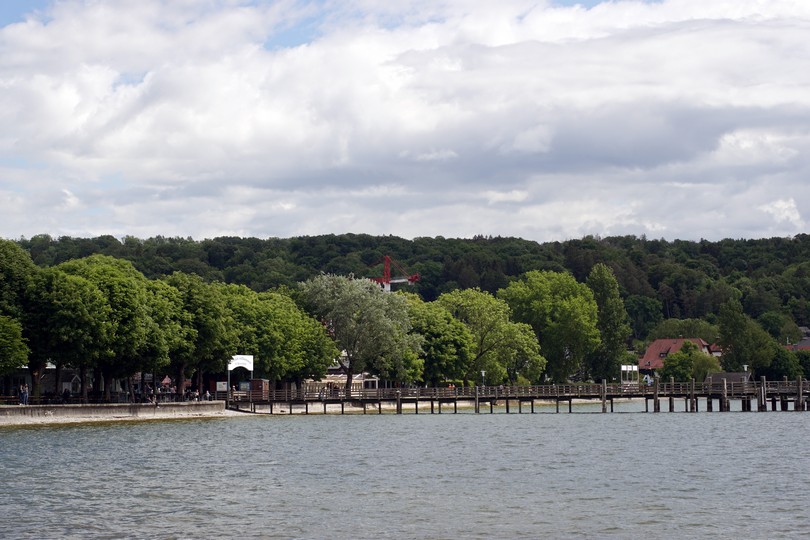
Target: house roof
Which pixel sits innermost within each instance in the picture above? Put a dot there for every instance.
(661, 348)
(803, 345)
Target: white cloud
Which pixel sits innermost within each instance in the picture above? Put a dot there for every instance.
(417, 118)
(784, 210)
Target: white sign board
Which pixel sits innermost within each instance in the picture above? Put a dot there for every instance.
(222, 386)
(241, 360)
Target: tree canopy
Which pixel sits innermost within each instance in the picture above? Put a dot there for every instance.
(563, 314)
(371, 327)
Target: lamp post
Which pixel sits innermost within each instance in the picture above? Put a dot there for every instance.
(483, 375)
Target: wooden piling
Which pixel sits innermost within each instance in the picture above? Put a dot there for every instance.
(604, 395)
(692, 400)
(762, 396)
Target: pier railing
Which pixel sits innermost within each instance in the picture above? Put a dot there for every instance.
(315, 392)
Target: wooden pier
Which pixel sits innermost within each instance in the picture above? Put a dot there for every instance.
(760, 396)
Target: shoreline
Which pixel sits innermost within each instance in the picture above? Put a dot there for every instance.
(56, 415)
(32, 415)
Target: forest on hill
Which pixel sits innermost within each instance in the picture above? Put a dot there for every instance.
(658, 279)
(520, 311)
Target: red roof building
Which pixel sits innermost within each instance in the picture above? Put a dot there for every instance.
(661, 348)
(803, 345)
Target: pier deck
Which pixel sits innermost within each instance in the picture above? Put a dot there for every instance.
(781, 395)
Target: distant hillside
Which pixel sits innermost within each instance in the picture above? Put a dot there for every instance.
(682, 279)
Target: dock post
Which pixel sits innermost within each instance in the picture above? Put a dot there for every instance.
(692, 400)
(399, 402)
(379, 406)
(570, 402)
(604, 395)
(724, 400)
(656, 401)
(762, 398)
(671, 394)
(799, 396)
(477, 403)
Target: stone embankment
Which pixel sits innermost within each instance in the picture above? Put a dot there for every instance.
(63, 414)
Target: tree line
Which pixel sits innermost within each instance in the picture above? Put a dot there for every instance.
(515, 310)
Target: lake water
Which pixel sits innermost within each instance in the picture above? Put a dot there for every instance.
(667, 475)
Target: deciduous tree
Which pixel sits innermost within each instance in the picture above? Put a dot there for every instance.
(563, 314)
(13, 350)
(611, 320)
(498, 343)
(447, 343)
(370, 326)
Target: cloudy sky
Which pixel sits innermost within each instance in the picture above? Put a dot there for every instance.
(543, 119)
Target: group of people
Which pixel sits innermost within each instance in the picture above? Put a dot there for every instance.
(24, 394)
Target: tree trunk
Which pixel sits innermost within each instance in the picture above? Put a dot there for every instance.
(36, 372)
(181, 382)
(349, 376)
(108, 379)
(83, 382)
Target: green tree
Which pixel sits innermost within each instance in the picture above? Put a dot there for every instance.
(604, 362)
(499, 344)
(677, 365)
(780, 326)
(169, 326)
(210, 325)
(125, 291)
(803, 357)
(689, 363)
(785, 363)
(287, 344)
(743, 341)
(685, 328)
(69, 322)
(447, 343)
(370, 326)
(522, 357)
(563, 314)
(644, 313)
(16, 271)
(13, 350)
(704, 364)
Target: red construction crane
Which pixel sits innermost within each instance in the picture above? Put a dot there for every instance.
(386, 280)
